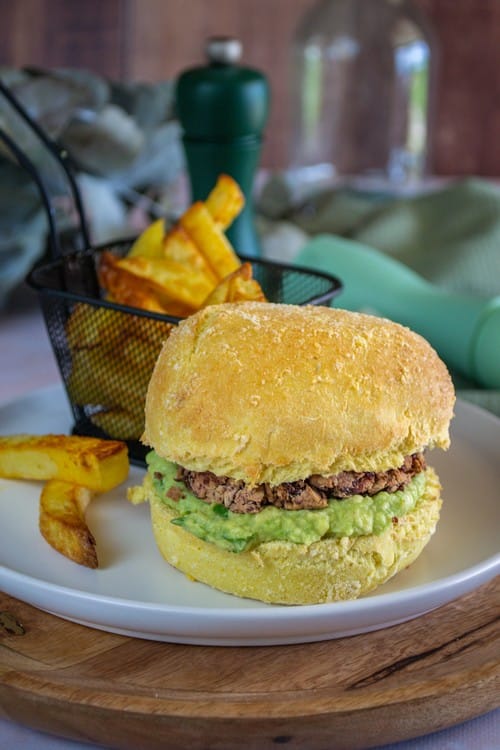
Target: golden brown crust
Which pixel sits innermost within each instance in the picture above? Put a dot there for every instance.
(273, 393)
(287, 573)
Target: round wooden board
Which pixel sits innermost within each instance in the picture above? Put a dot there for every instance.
(359, 692)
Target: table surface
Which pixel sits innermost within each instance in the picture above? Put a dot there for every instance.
(27, 364)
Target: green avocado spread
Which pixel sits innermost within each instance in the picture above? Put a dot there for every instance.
(354, 516)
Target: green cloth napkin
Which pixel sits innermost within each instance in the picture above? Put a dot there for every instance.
(449, 236)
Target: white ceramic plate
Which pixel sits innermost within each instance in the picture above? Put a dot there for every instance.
(134, 592)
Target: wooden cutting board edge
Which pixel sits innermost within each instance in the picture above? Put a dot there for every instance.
(112, 728)
(106, 715)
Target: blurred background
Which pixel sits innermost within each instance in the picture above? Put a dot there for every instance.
(153, 40)
(100, 78)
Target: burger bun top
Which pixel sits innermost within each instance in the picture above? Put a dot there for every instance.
(273, 393)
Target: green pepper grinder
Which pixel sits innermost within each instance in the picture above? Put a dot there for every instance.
(223, 108)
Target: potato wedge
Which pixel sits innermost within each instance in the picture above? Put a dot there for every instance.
(150, 241)
(62, 521)
(129, 281)
(173, 272)
(210, 240)
(170, 281)
(96, 464)
(106, 383)
(85, 387)
(153, 332)
(237, 287)
(88, 325)
(111, 373)
(225, 201)
(127, 423)
(124, 288)
(180, 248)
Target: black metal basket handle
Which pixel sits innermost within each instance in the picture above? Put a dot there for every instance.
(62, 157)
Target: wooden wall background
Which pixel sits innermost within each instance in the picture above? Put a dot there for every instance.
(155, 39)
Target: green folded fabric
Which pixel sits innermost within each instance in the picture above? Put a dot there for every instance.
(450, 236)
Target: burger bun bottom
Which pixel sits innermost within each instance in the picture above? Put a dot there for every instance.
(331, 569)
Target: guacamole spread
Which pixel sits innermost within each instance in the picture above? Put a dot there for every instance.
(354, 516)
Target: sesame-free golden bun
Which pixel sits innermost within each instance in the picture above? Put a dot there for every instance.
(273, 393)
(331, 569)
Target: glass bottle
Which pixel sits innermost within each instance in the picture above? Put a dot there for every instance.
(363, 78)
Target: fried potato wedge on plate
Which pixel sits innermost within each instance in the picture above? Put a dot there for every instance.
(62, 521)
(74, 468)
(89, 462)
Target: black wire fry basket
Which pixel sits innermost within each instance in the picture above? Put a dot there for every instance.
(106, 351)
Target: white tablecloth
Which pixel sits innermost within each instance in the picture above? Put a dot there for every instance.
(27, 363)
(479, 734)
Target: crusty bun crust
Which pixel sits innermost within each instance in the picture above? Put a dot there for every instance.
(287, 573)
(272, 393)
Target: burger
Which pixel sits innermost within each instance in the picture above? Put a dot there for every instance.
(289, 446)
